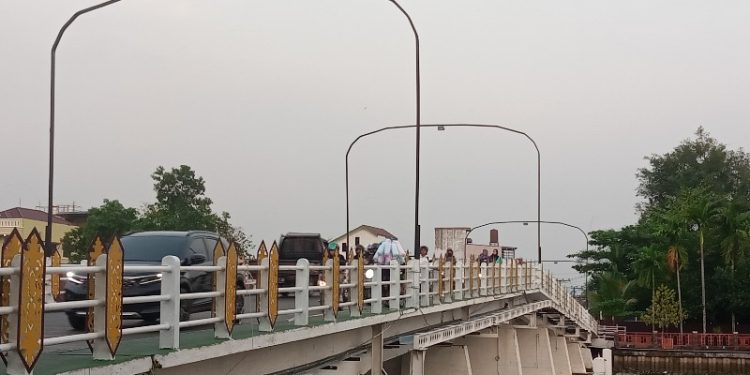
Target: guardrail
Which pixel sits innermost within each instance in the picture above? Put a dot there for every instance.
(343, 286)
(694, 341)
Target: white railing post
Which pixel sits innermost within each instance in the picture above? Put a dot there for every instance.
(395, 286)
(169, 310)
(458, 288)
(262, 304)
(413, 300)
(424, 284)
(328, 315)
(101, 350)
(220, 328)
(15, 364)
(302, 294)
(483, 279)
(376, 291)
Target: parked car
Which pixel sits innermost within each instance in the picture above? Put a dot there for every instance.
(295, 246)
(193, 248)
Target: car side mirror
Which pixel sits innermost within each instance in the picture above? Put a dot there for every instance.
(197, 259)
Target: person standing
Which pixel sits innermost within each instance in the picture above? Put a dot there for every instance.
(494, 257)
(449, 257)
(484, 257)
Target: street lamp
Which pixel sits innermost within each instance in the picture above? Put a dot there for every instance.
(418, 127)
(526, 222)
(48, 232)
(442, 127)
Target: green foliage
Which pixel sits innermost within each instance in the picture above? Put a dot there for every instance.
(181, 205)
(612, 297)
(243, 242)
(695, 217)
(107, 220)
(664, 310)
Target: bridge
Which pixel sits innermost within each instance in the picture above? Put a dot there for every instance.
(428, 318)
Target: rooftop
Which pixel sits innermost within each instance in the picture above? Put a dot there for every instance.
(30, 214)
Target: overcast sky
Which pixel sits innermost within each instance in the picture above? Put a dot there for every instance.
(263, 97)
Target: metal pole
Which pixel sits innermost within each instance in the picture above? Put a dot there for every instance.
(48, 231)
(418, 127)
(487, 126)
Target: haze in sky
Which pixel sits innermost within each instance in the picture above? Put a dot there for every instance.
(263, 98)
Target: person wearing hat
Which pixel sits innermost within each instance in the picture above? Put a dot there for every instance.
(333, 250)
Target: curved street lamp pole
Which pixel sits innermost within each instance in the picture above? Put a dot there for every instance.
(440, 127)
(48, 231)
(583, 232)
(418, 128)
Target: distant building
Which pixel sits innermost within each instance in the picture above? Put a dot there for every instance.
(26, 219)
(70, 212)
(455, 238)
(364, 235)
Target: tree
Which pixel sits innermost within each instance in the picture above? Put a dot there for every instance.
(671, 225)
(701, 207)
(612, 295)
(700, 162)
(107, 220)
(649, 266)
(235, 234)
(734, 221)
(181, 203)
(664, 310)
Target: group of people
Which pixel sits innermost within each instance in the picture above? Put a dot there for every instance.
(486, 258)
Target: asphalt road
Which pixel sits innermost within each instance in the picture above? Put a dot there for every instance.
(56, 324)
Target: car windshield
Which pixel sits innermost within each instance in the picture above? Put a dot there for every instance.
(301, 247)
(152, 248)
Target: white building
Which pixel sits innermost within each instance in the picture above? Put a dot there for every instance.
(364, 235)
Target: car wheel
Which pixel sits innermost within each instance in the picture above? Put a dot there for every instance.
(78, 322)
(185, 306)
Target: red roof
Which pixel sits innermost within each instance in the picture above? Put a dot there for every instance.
(27, 213)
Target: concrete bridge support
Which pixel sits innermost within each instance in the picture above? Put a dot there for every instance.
(560, 356)
(576, 358)
(588, 359)
(443, 359)
(535, 349)
(509, 362)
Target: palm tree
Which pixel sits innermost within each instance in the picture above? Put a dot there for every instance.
(612, 295)
(676, 258)
(701, 207)
(671, 225)
(734, 221)
(649, 265)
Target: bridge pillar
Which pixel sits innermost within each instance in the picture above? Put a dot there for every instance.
(588, 360)
(416, 362)
(560, 357)
(576, 358)
(535, 349)
(377, 349)
(448, 359)
(509, 361)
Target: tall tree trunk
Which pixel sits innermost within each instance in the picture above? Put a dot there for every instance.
(703, 281)
(734, 328)
(653, 298)
(679, 289)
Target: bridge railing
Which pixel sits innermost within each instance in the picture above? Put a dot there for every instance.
(352, 288)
